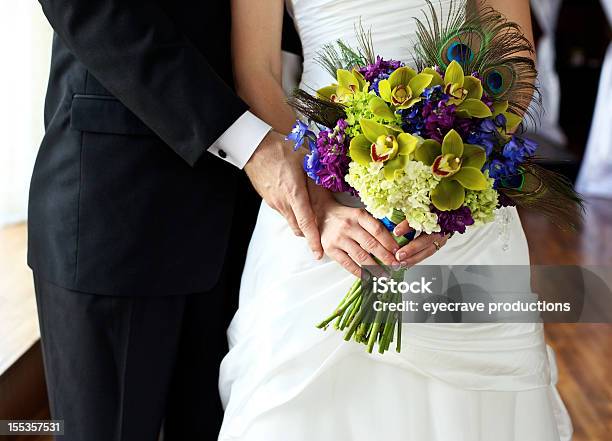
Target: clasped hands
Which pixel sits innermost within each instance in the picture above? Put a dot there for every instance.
(350, 236)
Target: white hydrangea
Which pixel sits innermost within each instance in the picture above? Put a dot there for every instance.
(482, 203)
(409, 192)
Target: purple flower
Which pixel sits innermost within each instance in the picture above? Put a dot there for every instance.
(488, 101)
(433, 118)
(378, 71)
(454, 221)
(331, 177)
(330, 165)
(439, 119)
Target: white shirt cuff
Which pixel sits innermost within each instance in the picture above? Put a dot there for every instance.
(239, 141)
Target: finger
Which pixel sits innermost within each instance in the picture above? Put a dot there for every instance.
(441, 240)
(345, 261)
(360, 256)
(415, 246)
(307, 222)
(419, 244)
(370, 244)
(379, 232)
(420, 256)
(402, 229)
(287, 213)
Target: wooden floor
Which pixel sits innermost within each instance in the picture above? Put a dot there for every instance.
(584, 352)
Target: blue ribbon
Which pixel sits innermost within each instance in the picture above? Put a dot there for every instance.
(390, 226)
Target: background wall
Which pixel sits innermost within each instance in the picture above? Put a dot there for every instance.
(26, 50)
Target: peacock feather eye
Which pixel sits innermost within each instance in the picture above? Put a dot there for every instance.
(498, 80)
(495, 81)
(514, 182)
(459, 52)
(483, 42)
(462, 47)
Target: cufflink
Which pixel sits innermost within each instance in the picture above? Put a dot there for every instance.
(222, 154)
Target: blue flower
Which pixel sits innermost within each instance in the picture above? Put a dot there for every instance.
(486, 140)
(518, 149)
(501, 121)
(504, 171)
(487, 134)
(299, 133)
(499, 169)
(412, 119)
(312, 164)
(435, 93)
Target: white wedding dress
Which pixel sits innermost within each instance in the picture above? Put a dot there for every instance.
(285, 380)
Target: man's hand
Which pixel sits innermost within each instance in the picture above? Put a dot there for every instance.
(351, 236)
(275, 171)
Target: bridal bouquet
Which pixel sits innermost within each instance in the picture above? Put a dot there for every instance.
(436, 145)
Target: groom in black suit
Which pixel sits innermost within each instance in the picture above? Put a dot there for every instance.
(132, 205)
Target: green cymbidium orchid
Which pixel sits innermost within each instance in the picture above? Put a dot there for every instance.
(383, 144)
(512, 119)
(458, 165)
(348, 84)
(404, 87)
(465, 91)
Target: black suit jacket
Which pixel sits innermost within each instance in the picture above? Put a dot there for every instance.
(124, 197)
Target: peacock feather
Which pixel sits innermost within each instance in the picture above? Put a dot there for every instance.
(320, 110)
(547, 192)
(340, 55)
(482, 41)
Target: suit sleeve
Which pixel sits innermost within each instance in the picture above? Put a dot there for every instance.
(135, 50)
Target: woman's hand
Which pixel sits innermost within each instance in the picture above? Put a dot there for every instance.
(420, 248)
(351, 236)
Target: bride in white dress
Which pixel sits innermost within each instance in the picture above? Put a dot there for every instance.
(285, 380)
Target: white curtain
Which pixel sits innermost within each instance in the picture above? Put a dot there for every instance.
(546, 12)
(26, 38)
(595, 178)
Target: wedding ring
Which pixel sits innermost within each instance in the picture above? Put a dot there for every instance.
(437, 245)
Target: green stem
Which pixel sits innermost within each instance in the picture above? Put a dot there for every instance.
(398, 344)
(387, 332)
(342, 319)
(348, 313)
(354, 311)
(365, 326)
(374, 329)
(397, 217)
(362, 331)
(365, 301)
(340, 310)
(354, 287)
